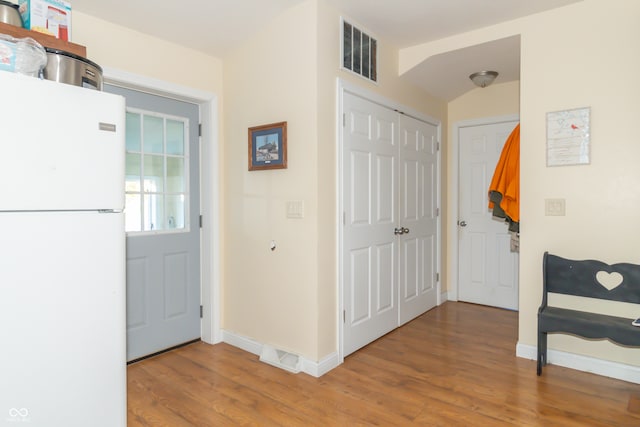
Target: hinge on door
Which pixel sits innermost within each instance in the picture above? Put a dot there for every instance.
(344, 218)
(437, 146)
(200, 221)
(199, 129)
(437, 211)
(344, 120)
(201, 311)
(437, 277)
(344, 316)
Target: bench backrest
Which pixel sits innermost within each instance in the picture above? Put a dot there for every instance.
(565, 276)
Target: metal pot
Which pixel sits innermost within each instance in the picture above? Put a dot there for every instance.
(9, 14)
(72, 69)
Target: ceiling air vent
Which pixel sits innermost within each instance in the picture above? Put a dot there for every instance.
(359, 52)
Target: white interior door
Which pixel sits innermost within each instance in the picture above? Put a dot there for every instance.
(418, 217)
(370, 254)
(488, 270)
(389, 193)
(162, 221)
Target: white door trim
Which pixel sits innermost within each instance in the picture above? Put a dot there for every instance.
(342, 87)
(454, 189)
(209, 192)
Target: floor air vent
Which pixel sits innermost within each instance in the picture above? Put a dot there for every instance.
(281, 359)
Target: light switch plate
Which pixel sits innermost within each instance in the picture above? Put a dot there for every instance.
(554, 207)
(295, 209)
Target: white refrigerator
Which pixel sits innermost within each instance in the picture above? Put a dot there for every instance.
(62, 255)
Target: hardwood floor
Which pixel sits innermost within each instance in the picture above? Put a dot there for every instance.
(452, 366)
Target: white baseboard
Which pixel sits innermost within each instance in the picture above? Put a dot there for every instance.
(310, 367)
(241, 342)
(619, 371)
(318, 369)
(579, 362)
(444, 297)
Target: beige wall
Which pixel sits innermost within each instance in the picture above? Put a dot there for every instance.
(271, 296)
(581, 55)
(499, 99)
(288, 298)
(328, 63)
(585, 57)
(121, 48)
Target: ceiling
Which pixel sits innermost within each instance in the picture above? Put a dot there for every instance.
(216, 27)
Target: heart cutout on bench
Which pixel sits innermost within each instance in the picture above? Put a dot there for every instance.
(609, 280)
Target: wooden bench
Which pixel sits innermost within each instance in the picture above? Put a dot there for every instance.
(592, 279)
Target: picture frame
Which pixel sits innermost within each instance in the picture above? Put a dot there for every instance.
(569, 137)
(268, 146)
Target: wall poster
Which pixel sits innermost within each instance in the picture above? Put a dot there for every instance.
(568, 137)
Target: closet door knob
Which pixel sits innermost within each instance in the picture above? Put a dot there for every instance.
(462, 223)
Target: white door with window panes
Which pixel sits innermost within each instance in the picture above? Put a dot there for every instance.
(157, 166)
(162, 222)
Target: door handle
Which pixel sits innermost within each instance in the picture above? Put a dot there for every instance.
(462, 223)
(400, 231)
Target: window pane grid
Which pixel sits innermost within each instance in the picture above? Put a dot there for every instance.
(157, 172)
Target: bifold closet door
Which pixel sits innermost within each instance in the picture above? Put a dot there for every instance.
(418, 217)
(390, 224)
(370, 200)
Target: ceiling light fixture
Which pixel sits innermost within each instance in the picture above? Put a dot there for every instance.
(483, 78)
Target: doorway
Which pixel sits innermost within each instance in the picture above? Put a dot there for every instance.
(389, 183)
(162, 222)
(211, 330)
(487, 268)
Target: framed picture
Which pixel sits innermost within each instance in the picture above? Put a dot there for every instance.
(568, 137)
(268, 146)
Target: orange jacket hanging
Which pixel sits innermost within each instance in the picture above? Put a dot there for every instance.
(506, 178)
